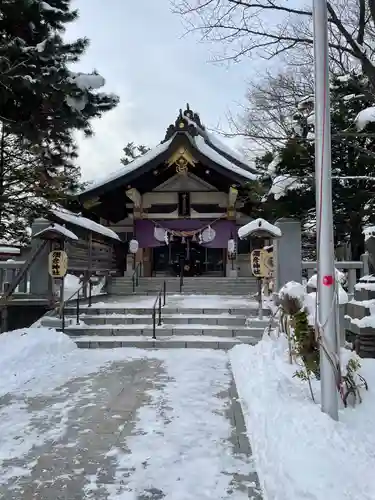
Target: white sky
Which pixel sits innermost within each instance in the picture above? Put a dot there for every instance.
(140, 49)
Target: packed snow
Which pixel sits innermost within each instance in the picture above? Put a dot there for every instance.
(300, 452)
(259, 225)
(88, 224)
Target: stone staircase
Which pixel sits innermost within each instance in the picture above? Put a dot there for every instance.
(115, 325)
(202, 285)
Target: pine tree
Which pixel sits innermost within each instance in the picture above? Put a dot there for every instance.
(132, 151)
(41, 99)
(26, 191)
(353, 164)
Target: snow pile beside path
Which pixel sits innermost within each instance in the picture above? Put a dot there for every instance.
(299, 451)
(37, 360)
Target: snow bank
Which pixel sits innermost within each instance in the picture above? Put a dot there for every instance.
(26, 354)
(258, 225)
(38, 360)
(299, 451)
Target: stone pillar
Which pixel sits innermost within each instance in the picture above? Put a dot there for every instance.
(40, 280)
(231, 267)
(129, 264)
(287, 253)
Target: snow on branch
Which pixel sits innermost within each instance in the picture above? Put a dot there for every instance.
(282, 184)
(365, 117)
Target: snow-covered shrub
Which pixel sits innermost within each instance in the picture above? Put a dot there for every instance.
(297, 322)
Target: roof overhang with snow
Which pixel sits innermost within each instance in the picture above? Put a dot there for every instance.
(81, 223)
(55, 232)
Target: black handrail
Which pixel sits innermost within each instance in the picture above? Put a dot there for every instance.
(182, 266)
(162, 292)
(136, 275)
(77, 292)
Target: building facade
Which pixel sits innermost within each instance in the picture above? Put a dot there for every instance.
(182, 201)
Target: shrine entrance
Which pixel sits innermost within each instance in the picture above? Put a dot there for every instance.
(196, 259)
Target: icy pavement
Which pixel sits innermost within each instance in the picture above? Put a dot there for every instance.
(164, 426)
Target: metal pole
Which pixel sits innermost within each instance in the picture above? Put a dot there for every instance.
(325, 246)
(159, 323)
(77, 309)
(260, 306)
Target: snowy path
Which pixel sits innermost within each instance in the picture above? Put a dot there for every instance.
(158, 427)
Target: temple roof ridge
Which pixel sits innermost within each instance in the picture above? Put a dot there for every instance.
(189, 121)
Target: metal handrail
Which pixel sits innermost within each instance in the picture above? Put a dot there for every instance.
(182, 266)
(62, 304)
(136, 275)
(162, 292)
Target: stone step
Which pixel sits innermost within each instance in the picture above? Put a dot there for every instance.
(250, 311)
(213, 279)
(192, 288)
(172, 319)
(174, 291)
(163, 342)
(165, 330)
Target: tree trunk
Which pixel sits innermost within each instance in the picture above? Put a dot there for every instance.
(357, 241)
(2, 169)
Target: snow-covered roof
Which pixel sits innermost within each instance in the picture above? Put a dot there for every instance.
(259, 225)
(57, 228)
(88, 224)
(215, 141)
(205, 142)
(213, 155)
(134, 165)
(10, 250)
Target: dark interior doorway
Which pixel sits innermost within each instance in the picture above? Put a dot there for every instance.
(196, 259)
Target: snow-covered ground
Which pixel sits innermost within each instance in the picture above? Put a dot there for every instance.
(300, 452)
(176, 442)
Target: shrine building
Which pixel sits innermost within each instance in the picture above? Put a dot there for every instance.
(182, 200)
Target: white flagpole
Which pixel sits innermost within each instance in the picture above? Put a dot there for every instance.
(325, 245)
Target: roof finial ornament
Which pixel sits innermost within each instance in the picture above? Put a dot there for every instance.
(180, 116)
(187, 107)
